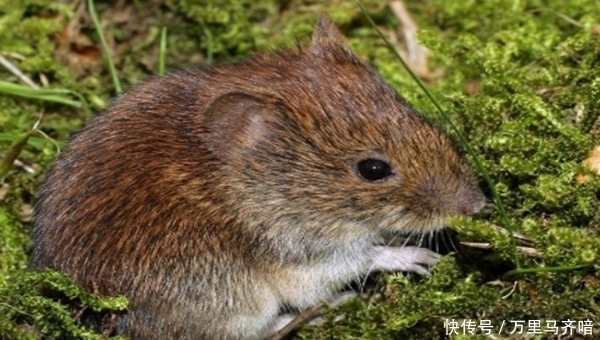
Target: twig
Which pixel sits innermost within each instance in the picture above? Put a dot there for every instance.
(514, 287)
(416, 54)
(15, 309)
(299, 320)
(477, 245)
(531, 252)
(80, 313)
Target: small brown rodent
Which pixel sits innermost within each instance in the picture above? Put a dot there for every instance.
(214, 198)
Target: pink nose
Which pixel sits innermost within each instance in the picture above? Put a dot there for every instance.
(472, 205)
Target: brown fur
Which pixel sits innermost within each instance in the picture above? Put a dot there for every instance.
(206, 194)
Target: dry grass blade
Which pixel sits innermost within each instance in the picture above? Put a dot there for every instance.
(416, 55)
(527, 251)
(11, 155)
(15, 70)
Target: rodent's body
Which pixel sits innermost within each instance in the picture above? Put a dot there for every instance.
(213, 198)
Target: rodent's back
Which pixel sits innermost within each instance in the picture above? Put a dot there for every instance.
(135, 205)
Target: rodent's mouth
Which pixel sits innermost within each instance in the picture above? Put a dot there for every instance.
(409, 222)
(441, 240)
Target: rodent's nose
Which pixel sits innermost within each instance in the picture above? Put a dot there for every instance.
(473, 203)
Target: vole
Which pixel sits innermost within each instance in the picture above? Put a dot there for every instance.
(213, 198)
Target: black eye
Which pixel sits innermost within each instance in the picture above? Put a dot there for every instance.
(373, 170)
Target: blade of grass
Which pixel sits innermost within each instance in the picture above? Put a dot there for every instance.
(209, 42)
(162, 52)
(35, 142)
(18, 144)
(53, 95)
(12, 154)
(111, 65)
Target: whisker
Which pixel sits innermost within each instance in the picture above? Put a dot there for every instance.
(440, 235)
(402, 212)
(391, 241)
(452, 243)
(410, 234)
(443, 236)
(433, 239)
(430, 234)
(396, 220)
(361, 282)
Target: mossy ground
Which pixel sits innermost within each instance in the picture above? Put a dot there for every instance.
(520, 78)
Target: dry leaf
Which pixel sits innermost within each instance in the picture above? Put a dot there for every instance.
(593, 163)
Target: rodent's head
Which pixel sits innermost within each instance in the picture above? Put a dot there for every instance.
(322, 140)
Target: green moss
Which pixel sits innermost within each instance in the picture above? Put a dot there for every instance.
(422, 309)
(25, 303)
(32, 37)
(14, 242)
(534, 109)
(233, 29)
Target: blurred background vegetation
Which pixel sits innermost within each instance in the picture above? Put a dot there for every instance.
(520, 78)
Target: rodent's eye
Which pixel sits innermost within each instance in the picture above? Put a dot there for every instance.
(373, 170)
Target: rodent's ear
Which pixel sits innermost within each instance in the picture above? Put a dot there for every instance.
(235, 121)
(326, 35)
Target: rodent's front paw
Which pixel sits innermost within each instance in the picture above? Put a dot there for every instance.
(413, 259)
